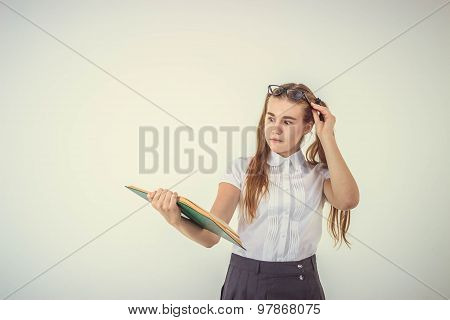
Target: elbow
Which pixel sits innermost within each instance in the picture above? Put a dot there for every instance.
(350, 204)
(345, 201)
(352, 201)
(210, 245)
(213, 243)
(346, 204)
(349, 207)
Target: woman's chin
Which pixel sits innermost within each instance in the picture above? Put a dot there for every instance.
(277, 146)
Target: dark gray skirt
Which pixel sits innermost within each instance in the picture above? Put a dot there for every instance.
(249, 279)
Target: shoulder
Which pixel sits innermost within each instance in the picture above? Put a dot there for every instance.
(320, 169)
(241, 164)
(235, 171)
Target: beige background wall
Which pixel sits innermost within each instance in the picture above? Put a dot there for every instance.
(74, 95)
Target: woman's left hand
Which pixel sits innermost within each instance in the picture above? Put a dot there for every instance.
(323, 128)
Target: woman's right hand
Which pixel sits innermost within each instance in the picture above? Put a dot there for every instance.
(165, 202)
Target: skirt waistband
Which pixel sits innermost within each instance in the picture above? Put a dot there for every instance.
(273, 267)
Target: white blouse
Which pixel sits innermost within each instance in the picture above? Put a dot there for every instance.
(288, 224)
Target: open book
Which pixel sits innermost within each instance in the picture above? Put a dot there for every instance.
(199, 216)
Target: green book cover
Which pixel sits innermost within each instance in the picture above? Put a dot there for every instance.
(192, 212)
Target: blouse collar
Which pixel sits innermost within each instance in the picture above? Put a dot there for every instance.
(296, 159)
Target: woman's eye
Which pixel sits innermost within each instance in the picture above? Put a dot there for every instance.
(286, 122)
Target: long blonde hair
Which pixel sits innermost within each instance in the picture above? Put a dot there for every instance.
(257, 181)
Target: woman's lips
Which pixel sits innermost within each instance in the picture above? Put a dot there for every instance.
(275, 140)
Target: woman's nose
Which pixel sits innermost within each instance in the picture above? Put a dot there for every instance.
(277, 128)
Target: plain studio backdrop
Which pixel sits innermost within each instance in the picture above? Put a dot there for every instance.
(79, 80)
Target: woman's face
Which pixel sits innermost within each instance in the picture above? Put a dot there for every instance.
(284, 125)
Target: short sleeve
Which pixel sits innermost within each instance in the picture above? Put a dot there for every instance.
(322, 169)
(234, 173)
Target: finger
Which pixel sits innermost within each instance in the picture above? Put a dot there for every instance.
(150, 195)
(173, 200)
(327, 115)
(316, 117)
(318, 105)
(159, 198)
(162, 196)
(166, 201)
(157, 194)
(322, 109)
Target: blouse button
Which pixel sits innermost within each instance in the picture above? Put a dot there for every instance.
(300, 266)
(300, 277)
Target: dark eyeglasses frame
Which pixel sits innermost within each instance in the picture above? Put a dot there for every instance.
(291, 93)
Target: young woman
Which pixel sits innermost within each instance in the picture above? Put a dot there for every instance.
(280, 194)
